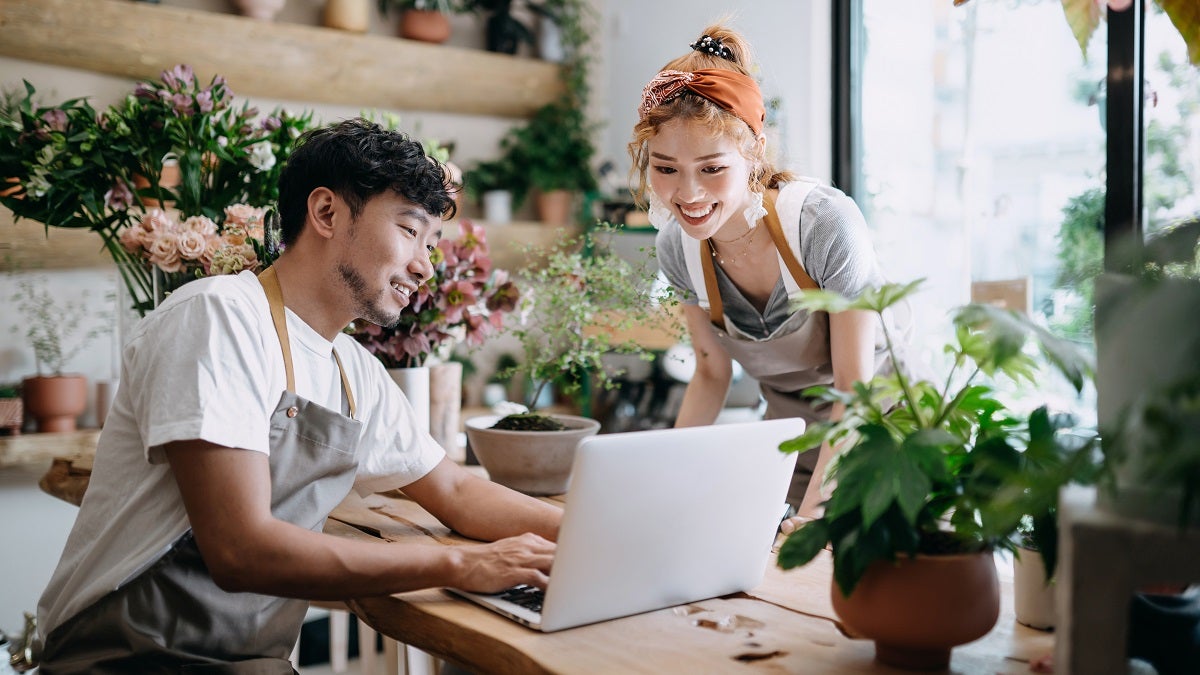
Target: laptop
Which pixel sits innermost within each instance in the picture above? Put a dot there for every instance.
(660, 518)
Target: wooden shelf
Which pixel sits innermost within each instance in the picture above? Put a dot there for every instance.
(274, 60)
(35, 449)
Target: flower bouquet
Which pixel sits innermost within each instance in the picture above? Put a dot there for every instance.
(102, 171)
(462, 303)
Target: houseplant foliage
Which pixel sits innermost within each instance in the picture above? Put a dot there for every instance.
(938, 467)
(578, 299)
(107, 166)
(504, 33)
(462, 303)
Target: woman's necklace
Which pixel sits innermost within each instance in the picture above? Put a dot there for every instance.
(745, 250)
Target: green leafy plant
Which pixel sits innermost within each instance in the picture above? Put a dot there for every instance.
(577, 299)
(502, 173)
(54, 330)
(554, 148)
(504, 33)
(939, 467)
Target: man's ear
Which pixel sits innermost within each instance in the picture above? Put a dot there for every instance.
(323, 206)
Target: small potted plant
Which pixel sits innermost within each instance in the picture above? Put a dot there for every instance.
(930, 482)
(555, 149)
(12, 410)
(55, 399)
(504, 33)
(498, 185)
(577, 300)
(424, 20)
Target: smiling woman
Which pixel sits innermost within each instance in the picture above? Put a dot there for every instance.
(737, 237)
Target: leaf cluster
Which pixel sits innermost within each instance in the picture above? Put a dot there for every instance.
(54, 330)
(940, 467)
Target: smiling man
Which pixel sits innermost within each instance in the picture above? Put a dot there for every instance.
(245, 415)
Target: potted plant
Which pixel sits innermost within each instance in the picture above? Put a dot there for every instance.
(12, 410)
(577, 301)
(504, 33)
(499, 185)
(1148, 382)
(555, 150)
(55, 399)
(424, 20)
(560, 28)
(929, 483)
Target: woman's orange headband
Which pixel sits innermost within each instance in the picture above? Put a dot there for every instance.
(728, 89)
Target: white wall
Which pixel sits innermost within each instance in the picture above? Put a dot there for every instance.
(791, 42)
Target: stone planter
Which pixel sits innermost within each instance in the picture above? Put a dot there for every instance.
(533, 462)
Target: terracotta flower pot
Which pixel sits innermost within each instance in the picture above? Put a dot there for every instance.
(169, 178)
(55, 402)
(917, 610)
(533, 462)
(554, 207)
(426, 25)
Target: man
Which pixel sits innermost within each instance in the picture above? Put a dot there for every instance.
(240, 425)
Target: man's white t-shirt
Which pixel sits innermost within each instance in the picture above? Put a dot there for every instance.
(207, 365)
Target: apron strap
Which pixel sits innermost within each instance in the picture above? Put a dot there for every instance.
(270, 283)
(716, 310)
(786, 254)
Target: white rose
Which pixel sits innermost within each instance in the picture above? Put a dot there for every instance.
(262, 157)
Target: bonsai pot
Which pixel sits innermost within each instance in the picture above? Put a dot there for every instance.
(1033, 595)
(55, 402)
(533, 462)
(916, 610)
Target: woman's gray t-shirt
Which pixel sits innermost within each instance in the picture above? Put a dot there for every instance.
(835, 250)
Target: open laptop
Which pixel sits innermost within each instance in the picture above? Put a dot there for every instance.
(660, 518)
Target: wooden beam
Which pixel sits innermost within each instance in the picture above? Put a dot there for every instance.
(28, 245)
(274, 60)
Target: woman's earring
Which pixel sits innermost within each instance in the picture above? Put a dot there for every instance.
(659, 214)
(754, 210)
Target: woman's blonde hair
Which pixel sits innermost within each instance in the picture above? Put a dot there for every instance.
(695, 108)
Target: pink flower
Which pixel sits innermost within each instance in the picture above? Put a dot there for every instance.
(164, 252)
(55, 119)
(131, 239)
(120, 197)
(202, 225)
(191, 243)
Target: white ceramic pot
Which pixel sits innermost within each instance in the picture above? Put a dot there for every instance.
(414, 382)
(533, 462)
(497, 207)
(1033, 597)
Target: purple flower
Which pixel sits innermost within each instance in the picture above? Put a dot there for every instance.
(272, 123)
(179, 78)
(120, 197)
(182, 104)
(204, 101)
(56, 119)
(145, 91)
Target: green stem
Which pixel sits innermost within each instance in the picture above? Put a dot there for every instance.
(904, 385)
(957, 399)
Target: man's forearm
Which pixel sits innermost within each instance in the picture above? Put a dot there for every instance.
(491, 511)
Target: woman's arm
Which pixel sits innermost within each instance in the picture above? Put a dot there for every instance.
(852, 348)
(706, 392)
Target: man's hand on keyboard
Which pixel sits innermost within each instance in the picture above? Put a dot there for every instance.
(490, 568)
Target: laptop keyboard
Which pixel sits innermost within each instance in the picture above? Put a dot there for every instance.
(529, 597)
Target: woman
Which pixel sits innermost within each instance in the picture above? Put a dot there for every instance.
(700, 154)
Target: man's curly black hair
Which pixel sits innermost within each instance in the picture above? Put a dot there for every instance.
(358, 159)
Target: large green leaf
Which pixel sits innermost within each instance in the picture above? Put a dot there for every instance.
(804, 544)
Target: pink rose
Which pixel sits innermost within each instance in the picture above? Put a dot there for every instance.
(191, 244)
(202, 225)
(165, 252)
(131, 239)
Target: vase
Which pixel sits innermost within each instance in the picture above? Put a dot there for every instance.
(445, 404)
(263, 10)
(426, 25)
(1033, 595)
(497, 207)
(348, 15)
(55, 402)
(414, 382)
(549, 41)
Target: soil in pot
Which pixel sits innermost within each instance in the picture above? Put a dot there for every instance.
(529, 422)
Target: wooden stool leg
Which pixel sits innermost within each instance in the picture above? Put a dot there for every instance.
(367, 657)
(339, 639)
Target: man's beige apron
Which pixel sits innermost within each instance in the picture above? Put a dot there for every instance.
(796, 355)
(172, 618)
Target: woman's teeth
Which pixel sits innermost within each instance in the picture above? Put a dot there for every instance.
(697, 213)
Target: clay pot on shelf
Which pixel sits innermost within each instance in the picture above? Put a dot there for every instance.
(426, 25)
(55, 402)
(554, 207)
(916, 610)
(169, 178)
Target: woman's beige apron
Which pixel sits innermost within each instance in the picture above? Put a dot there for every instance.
(172, 618)
(796, 355)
